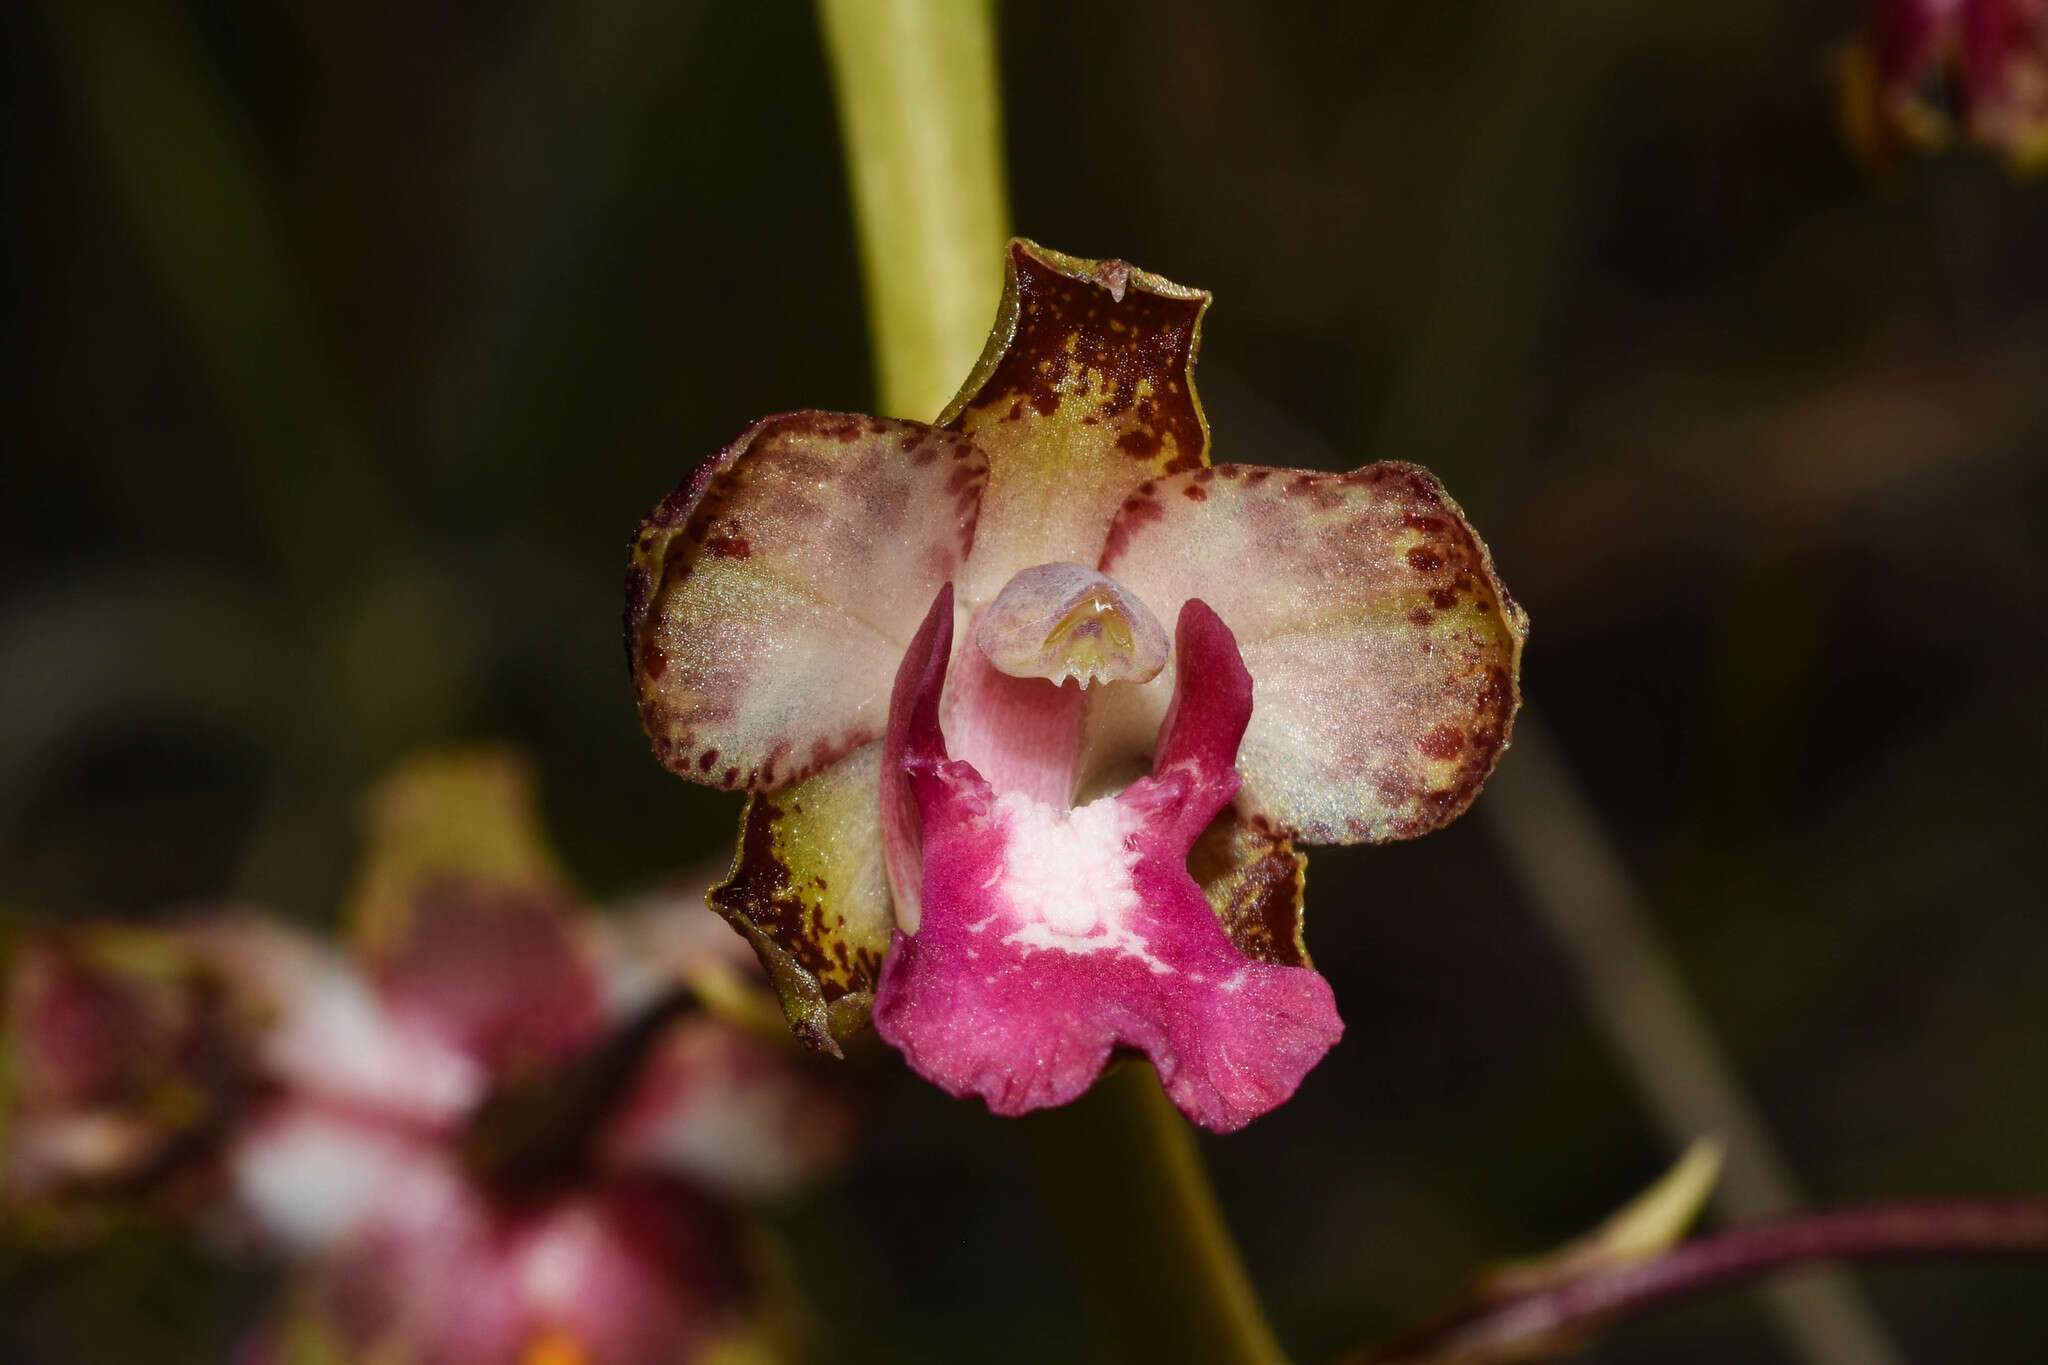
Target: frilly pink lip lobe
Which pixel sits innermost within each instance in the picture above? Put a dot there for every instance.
(1049, 937)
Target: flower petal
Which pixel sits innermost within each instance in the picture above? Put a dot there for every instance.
(494, 972)
(1385, 647)
(1086, 391)
(771, 595)
(809, 890)
(728, 1112)
(1051, 937)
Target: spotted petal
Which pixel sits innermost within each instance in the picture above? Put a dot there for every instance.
(771, 595)
(1086, 391)
(809, 891)
(1050, 937)
(1384, 647)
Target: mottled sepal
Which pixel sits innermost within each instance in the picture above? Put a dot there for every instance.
(1051, 936)
(1086, 390)
(770, 596)
(809, 890)
(1386, 651)
(1255, 882)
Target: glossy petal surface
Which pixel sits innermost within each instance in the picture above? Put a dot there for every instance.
(1085, 392)
(1384, 649)
(1050, 937)
(771, 595)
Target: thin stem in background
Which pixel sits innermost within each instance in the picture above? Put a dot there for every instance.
(1893, 1231)
(922, 124)
(1577, 880)
(1125, 1185)
(916, 84)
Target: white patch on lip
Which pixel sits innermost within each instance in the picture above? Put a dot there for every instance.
(1067, 876)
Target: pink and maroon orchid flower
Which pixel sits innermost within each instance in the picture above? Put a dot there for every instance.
(1032, 704)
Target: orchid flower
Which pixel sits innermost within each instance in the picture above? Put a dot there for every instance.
(489, 1140)
(1984, 60)
(492, 1134)
(1033, 704)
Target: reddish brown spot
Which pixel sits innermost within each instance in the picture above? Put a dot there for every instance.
(1136, 512)
(707, 760)
(1194, 492)
(1421, 616)
(1140, 443)
(732, 778)
(653, 661)
(1257, 475)
(1443, 599)
(727, 546)
(1444, 742)
(1422, 559)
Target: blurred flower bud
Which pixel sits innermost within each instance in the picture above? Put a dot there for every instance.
(1922, 65)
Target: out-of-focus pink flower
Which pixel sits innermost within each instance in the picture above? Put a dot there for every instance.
(498, 1130)
(870, 627)
(127, 1055)
(486, 1151)
(1920, 63)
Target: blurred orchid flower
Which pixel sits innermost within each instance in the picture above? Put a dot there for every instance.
(501, 1130)
(870, 627)
(1920, 61)
(126, 1061)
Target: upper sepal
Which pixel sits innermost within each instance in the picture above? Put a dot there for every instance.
(1086, 390)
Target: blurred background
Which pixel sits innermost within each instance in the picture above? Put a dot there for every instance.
(346, 344)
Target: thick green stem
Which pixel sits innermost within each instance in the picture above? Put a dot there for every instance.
(1126, 1187)
(918, 110)
(916, 81)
